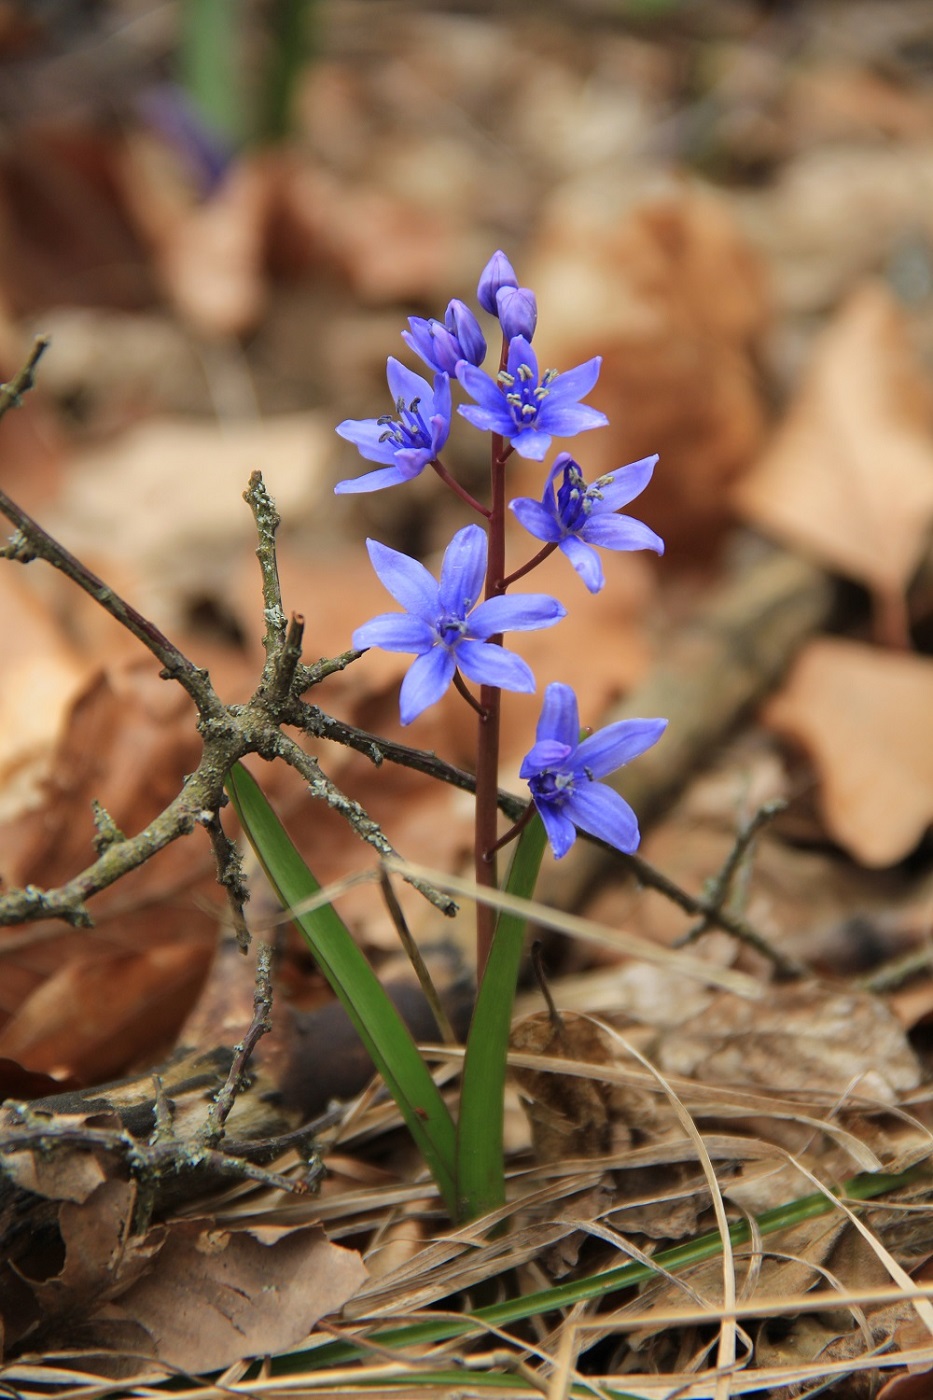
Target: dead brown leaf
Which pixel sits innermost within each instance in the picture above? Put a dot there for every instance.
(215, 1296)
(799, 1038)
(569, 1115)
(863, 716)
(99, 1013)
(848, 477)
(675, 301)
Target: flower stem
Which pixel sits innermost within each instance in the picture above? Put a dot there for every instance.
(457, 489)
(487, 749)
(532, 563)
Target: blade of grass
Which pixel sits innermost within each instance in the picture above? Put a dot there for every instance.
(480, 1162)
(378, 1024)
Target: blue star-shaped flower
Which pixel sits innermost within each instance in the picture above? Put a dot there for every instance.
(527, 409)
(575, 516)
(446, 626)
(406, 443)
(562, 773)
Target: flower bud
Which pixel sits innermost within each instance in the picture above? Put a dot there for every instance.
(464, 327)
(497, 273)
(518, 311)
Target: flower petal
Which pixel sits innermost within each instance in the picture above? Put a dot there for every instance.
(489, 419)
(394, 632)
(518, 612)
(585, 561)
(626, 483)
(560, 829)
(595, 808)
(617, 744)
(369, 438)
(568, 419)
(536, 518)
(620, 532)
(560, 717)
(575, 383)
(373, 481)
(545, 753)
(531, 443)
(521, 356)
(408, 581)
(488, 664)
(404, 384)
(425, 682)
(463, 571)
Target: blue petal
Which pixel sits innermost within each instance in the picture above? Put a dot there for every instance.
(617, 744)
(369, 438)
(620, 532)
(477, 382)
(394, 632)
(488, 664)
(411, 461)
(536, 519)
(373, 481)
(560, 829)
(625, 484)
(568, 419)
(489, 420)
(521, 353)
(463, 571)
(575, 383)
(425, 682)
(519, 612)
(404, 384)
(420, 339)
(585, 561)
(531, 443)
(408, 581)
(560, 717)
(545, 753)
(440, 411)
(595, 808)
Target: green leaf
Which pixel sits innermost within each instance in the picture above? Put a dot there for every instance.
(480, 1161)
(378, 1024)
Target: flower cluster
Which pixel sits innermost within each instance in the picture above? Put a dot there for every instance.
(453, 625)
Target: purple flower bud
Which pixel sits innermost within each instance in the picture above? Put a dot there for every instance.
(434, 344)
(497, 273)
(464, 327)
(518, 311)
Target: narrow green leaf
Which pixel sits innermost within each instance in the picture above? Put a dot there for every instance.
(480, 1161)
(378, 1024)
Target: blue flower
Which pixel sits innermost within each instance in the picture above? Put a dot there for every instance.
(528, 412)
(575, 516)
(562, 773)
(445, 625)
(497, 273)
(442, 347)
(406, 443)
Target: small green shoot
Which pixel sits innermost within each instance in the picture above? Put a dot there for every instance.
(480, 1162)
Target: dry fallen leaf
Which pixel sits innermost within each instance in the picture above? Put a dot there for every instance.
(569, 1115)
(848, 478)
(674, 300)
(799, 1038)
(215, 1296)
(863, 716)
